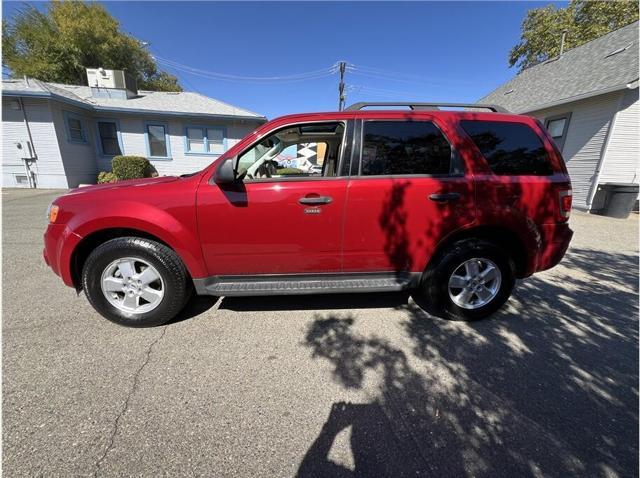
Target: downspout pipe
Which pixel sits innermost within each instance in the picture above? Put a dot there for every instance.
(32, 184)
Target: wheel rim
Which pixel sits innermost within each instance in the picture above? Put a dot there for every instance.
(132, 285)
(474, 283)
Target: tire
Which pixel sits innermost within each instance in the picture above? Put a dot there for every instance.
(433, 293)
(106, 265)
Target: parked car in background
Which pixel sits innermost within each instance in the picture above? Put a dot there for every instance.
(453, 205)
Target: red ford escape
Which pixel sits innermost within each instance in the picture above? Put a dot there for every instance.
(454, 205)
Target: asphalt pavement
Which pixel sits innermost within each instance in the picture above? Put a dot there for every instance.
(360, 385)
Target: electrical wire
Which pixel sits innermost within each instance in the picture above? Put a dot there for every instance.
(394, 76)
(382, 92)
(185, 80)
(310, 75)
(384, 72)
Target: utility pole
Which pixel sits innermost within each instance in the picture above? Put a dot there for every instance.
(343, 67)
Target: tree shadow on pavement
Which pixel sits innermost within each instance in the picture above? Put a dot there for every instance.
(547, 387)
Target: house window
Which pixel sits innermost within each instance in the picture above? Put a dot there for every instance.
(75, 128)
(558, 127)
(109, 141)
(157, 141)
(203, 140)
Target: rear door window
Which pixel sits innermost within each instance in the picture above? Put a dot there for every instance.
(404, 148)
(511, 149)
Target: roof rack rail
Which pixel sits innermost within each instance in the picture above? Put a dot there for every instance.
(427, 106)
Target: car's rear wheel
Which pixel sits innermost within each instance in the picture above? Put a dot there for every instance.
(470, 280)
(136, 282)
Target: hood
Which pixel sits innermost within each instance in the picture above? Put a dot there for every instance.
(130, 183)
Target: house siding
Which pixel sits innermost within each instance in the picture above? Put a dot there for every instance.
(620, 164)
(585, 141)
(48, 168)
(135, 143)
(78, 159)
(62, 163)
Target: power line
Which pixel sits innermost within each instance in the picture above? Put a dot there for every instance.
(309, 75)
(186, 81)
(340, 67)
(398, 77)
(382, 92)
(381, 71)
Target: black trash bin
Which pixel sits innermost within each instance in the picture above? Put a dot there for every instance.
(616, 199)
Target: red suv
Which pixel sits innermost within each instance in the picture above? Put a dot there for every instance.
(454, 205)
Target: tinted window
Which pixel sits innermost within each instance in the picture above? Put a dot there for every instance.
(404, 147)
(510, 148)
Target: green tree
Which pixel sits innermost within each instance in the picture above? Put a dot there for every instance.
(57, 44)
(583, 21)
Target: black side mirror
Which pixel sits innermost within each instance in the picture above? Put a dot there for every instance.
(225, 173)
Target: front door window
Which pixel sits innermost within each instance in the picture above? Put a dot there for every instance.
(310, 150)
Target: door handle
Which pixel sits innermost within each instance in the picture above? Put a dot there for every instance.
(444, 197)
(315, 200)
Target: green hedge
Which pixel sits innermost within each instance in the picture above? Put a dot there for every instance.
(130, 167)
(106, 177)
(287, 171)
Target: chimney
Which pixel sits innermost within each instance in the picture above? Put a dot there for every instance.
(116, 84)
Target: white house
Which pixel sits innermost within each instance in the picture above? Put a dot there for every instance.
(588, 100)
(60, 136)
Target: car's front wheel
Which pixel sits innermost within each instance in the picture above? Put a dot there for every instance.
(135, 282)
(470, 280)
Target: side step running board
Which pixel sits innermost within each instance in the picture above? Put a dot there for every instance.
(287, 284)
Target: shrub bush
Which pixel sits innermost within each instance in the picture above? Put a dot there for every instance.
(130, 167)
(106, 177)
(287, 171)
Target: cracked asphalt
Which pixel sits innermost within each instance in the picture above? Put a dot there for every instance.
(363, 385)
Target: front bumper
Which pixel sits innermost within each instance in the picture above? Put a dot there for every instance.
(59, 244)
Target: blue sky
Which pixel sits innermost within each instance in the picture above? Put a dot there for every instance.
(446, 51)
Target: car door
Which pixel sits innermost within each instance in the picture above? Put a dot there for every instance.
(408, 190)
(278, 224)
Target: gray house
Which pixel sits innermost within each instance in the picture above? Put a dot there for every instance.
(588, 100)
(60, 136)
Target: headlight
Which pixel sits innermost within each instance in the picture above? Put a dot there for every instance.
(52, 213)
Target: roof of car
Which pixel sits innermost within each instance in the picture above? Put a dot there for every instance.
(393, 113)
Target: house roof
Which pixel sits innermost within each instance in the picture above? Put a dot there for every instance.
(608, 63)
(147, 102)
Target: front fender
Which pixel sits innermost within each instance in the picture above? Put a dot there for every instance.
(174, 226)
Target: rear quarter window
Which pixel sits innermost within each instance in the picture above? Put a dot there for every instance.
(511, 149)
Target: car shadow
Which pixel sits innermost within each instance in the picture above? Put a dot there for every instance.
(197, 304)
(315, 302)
